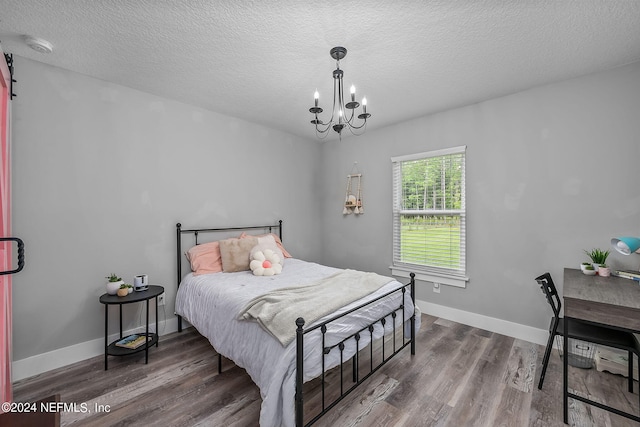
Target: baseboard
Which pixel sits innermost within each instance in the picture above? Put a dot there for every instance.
(58, 358)
(54, 359)
(504, 327)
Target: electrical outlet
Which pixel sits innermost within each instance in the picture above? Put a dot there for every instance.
(436, 287)
(161, 299)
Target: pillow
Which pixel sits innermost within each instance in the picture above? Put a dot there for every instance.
(235, 253)
(276, 238)
(264, 261)
(205, 258)
(269, 242)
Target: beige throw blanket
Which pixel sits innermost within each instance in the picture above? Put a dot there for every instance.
(277, 311)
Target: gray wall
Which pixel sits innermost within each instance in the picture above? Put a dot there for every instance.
(101, 175)
(550, 171)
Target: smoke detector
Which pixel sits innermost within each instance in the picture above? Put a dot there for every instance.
(39, 45)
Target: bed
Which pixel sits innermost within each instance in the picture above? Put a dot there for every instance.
(357, 338)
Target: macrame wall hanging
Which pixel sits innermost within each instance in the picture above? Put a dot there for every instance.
(353, 200)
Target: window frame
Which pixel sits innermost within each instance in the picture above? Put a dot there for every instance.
(434, 274)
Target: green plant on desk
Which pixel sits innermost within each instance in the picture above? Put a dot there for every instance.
(598, 256)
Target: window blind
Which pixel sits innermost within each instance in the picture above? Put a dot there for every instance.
(429, 217)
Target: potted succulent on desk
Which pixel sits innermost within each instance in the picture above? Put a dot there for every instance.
(598, 256)
(113, 283)
(584, 265)
(604, 270)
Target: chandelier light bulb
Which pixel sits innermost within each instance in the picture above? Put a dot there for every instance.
(364, 105)
(353, 93)
(316, 96)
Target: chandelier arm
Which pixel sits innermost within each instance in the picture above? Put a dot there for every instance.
(353, 128)
(358, 127)
(351, 118)
(351, 122)
(322, 135)
(324, 127)
(351, 125)
(327, 125)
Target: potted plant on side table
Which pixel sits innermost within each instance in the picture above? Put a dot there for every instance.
(113, 283)
(125, 289)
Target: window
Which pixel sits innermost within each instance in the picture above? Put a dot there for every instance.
(429, 216)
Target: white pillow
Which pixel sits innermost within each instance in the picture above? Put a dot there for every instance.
(268, 242)
(265, 261)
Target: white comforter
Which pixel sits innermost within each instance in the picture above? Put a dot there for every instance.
(212, 302)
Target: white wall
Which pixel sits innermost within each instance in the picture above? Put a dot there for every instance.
(550, 171)
(102, 174)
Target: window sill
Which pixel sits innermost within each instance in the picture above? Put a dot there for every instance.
(457, 281)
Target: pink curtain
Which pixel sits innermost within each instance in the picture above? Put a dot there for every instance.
(5, 231)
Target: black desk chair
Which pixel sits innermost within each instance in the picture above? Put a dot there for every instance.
(583, 331)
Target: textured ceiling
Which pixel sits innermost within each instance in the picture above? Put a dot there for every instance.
(262, 60)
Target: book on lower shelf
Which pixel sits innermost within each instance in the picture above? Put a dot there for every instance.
(132, 341)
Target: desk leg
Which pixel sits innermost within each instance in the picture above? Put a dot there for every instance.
(106, 336)
(565, 370)
(120, 305)
(146, 345)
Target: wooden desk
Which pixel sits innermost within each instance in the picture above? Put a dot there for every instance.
(609, 301)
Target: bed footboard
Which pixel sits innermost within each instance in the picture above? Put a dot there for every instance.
(355, 337)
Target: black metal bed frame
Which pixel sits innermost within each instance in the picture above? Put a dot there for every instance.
(327, 349)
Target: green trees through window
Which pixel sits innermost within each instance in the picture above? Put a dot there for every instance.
(433, 183)
(429, 210)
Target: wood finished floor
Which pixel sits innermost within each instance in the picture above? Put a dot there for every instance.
(460, 376)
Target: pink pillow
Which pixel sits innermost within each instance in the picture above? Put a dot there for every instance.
(205, 258)
(276, 238)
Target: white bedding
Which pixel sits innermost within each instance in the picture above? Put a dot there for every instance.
(212, 302)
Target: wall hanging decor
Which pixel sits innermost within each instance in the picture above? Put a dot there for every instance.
(353, 201)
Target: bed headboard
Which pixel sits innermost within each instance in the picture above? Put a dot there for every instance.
(195, 233)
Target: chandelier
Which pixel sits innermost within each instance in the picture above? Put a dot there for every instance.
(340, 117)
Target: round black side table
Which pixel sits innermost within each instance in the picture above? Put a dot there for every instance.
(112, 349)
